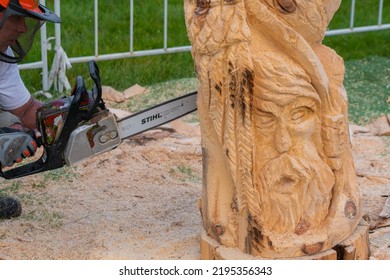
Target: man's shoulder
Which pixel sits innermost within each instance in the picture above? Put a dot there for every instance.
(4, 66)
(7, 69)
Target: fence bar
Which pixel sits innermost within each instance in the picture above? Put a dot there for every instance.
(57, 26)
(45, 71)
(38, 64)
(352, 19)
(128, 54)
(165, 24)
(31, 65)
(357, 29)
(131, 26)
(380, 12)
(96, 28)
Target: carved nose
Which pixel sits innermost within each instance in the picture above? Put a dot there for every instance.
(283, 139)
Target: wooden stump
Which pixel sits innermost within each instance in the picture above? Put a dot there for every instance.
(278, 174)
(355, 247)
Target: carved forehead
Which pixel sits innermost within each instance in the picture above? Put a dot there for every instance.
(288, 101)
(277, 78)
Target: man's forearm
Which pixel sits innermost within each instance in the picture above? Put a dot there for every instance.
(27, 113)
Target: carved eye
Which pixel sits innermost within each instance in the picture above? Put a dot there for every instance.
(264, 119)
(301, 114)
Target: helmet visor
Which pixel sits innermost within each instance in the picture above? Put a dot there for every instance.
(23, 43)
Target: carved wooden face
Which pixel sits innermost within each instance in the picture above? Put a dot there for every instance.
(285, 122)
(293, 182)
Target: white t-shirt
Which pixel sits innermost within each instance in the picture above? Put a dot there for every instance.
(13, 92)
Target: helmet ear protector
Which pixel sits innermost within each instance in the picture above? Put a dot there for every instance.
(34, 16)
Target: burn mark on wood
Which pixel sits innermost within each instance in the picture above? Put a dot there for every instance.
(257, 235)
(246, 90)
(231, 100)
(218, 88)
(233, 78)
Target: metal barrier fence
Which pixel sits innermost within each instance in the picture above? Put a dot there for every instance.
(45, 42)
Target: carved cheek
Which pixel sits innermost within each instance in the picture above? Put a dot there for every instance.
(266, 131)
(303, 129)
(265, 124)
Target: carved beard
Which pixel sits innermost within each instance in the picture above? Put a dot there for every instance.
(294, 194)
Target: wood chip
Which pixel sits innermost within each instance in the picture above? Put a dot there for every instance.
(133, 91)
(110, 94)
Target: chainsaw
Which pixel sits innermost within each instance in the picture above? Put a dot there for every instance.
(79, 126)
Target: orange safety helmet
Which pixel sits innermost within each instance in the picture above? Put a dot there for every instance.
(35, 15)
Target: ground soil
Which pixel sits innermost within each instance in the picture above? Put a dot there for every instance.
(140, 201)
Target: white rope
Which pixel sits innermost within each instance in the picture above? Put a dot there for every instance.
(57, 75)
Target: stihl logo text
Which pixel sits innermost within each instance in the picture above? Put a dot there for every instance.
(151, 118)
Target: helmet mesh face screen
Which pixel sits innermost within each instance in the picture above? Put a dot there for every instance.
(25, 41)
(23, 44)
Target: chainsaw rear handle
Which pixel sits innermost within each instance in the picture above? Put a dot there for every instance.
(53, 155)
(51, 159)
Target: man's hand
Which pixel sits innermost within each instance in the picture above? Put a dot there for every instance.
(15, 145)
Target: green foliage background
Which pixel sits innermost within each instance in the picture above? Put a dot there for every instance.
(366, 54)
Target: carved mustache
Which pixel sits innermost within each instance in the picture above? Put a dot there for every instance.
(285, 173)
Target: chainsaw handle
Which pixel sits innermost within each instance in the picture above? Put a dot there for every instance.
(73, 117)
(50, 159)
(97, 89)
(53, 154)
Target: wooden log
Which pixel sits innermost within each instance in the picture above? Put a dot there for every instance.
(278, 173)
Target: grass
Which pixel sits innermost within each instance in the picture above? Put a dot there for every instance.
(11, 188)
(367, 82)
(360, 45)
(185, 173)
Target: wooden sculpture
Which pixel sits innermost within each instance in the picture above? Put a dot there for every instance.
(279, 178)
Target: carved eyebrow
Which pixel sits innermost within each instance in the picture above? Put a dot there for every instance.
(268, 107)
(304, 102)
